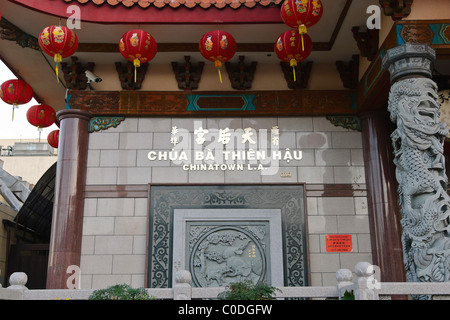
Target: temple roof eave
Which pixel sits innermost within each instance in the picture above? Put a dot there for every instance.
(161, 12)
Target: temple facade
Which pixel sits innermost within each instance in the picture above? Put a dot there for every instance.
(258, 175)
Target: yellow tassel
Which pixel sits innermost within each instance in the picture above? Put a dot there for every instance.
(13, 112)
(293, 65)
(302, 30)
(58, 59)
(220, 76)
(218, 65)
(137, 64)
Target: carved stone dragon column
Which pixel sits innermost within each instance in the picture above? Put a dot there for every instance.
(420, 168)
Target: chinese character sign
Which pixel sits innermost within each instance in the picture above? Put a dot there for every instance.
(226, 149)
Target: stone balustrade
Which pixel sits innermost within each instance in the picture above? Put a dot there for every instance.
(362, 282)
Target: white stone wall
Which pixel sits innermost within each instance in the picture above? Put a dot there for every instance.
(115, 229)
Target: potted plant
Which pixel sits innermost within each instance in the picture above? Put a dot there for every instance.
(247, 290)
(120, 292)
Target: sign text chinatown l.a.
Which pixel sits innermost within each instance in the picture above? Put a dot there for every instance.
(227, 149)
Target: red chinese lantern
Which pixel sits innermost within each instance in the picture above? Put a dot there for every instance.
(16, 92)
(301, 14)
(138, 46)
(53, 139)
(41, 116)
(289, 47)
(217, 46)
(58, 42)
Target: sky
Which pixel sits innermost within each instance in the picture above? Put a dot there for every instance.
(19, 128)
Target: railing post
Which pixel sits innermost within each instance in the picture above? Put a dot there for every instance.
(344, 278)
(18, 280)
(182, 289)
(364, 288)
(16, 290)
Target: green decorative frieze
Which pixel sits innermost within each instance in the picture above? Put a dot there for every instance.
(220, 102)
(433, 34)
(347, 122)
(104, 123)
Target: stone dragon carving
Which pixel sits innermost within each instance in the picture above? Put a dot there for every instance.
(425, 204)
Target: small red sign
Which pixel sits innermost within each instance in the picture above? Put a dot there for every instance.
(338, 243)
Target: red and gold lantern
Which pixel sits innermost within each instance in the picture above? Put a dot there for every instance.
(217, 46)
(16, 92)
(58, 42)
(289, 47)
(53, 139)
(41, 116)
(138, 46)
(301, 14)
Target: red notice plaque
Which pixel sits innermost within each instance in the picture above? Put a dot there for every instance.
(338, 243)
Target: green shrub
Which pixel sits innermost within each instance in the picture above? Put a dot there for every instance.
(120, 292)
(246, 290)
(348, 295)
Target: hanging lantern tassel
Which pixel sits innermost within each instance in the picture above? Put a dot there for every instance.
(13, 107)
(40, 131)
(137, 64)
(218, 65)
(58, 59)
(293, 65)
(302, 30)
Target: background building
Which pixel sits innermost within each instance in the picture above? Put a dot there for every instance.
(22, 165)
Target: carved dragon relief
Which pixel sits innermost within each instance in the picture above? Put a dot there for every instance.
(425, 204)
(226, 254)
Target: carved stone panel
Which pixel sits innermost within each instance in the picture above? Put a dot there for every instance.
(224, 245)
(225, 252)
(280, 208)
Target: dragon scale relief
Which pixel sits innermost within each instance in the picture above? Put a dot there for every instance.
(425, 205)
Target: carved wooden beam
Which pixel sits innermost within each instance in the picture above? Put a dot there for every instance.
(367, 42)
(302, 73)
(74, 74)
(396, 9)
(188, 75)
(349, 72)
(240, 74)
(126, 75)
(214, 103)
(10, 32)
